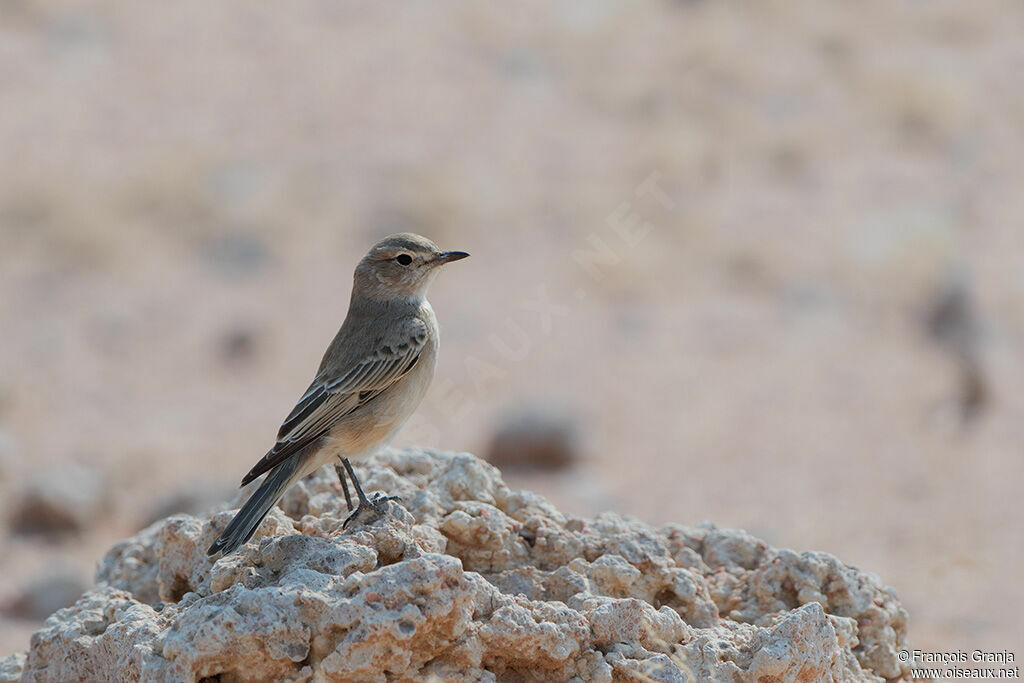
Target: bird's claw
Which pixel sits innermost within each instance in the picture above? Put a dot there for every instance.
(375, 506)
(379, 498)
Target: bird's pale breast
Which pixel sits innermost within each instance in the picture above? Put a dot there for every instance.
(362, 432)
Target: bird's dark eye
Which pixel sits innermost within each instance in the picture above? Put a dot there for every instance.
(404, 259)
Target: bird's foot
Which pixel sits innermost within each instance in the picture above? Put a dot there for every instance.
(373, 508)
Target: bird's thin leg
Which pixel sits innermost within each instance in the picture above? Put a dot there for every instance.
(355, 482)
(364, 502)
(344, 486)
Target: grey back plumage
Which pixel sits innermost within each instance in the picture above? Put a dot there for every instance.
(355, 369)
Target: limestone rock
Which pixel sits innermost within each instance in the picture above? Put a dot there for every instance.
(466, 580)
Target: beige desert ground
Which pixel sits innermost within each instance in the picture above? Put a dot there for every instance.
(764, 257)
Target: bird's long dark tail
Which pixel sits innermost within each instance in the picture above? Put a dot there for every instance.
(248, 519)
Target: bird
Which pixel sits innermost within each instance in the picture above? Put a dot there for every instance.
(371, 379)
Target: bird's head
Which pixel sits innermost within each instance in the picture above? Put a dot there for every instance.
(401, 266)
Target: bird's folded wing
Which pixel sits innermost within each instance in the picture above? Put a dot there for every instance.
(333, 395)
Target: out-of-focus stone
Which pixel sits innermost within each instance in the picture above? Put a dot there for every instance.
(193, 499)
(8, 453)
(62, 499)
(953, 322)
(46, 594)
(466, 581)
(536, 439)
(237, 344)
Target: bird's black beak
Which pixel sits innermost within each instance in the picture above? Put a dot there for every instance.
(449, 256)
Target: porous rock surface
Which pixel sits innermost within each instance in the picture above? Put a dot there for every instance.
(467, 580)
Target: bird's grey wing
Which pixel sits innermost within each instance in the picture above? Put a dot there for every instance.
(335, 394)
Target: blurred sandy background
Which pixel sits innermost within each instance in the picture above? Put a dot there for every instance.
(815, 335)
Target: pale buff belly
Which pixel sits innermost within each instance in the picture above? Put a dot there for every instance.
(362, 433)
